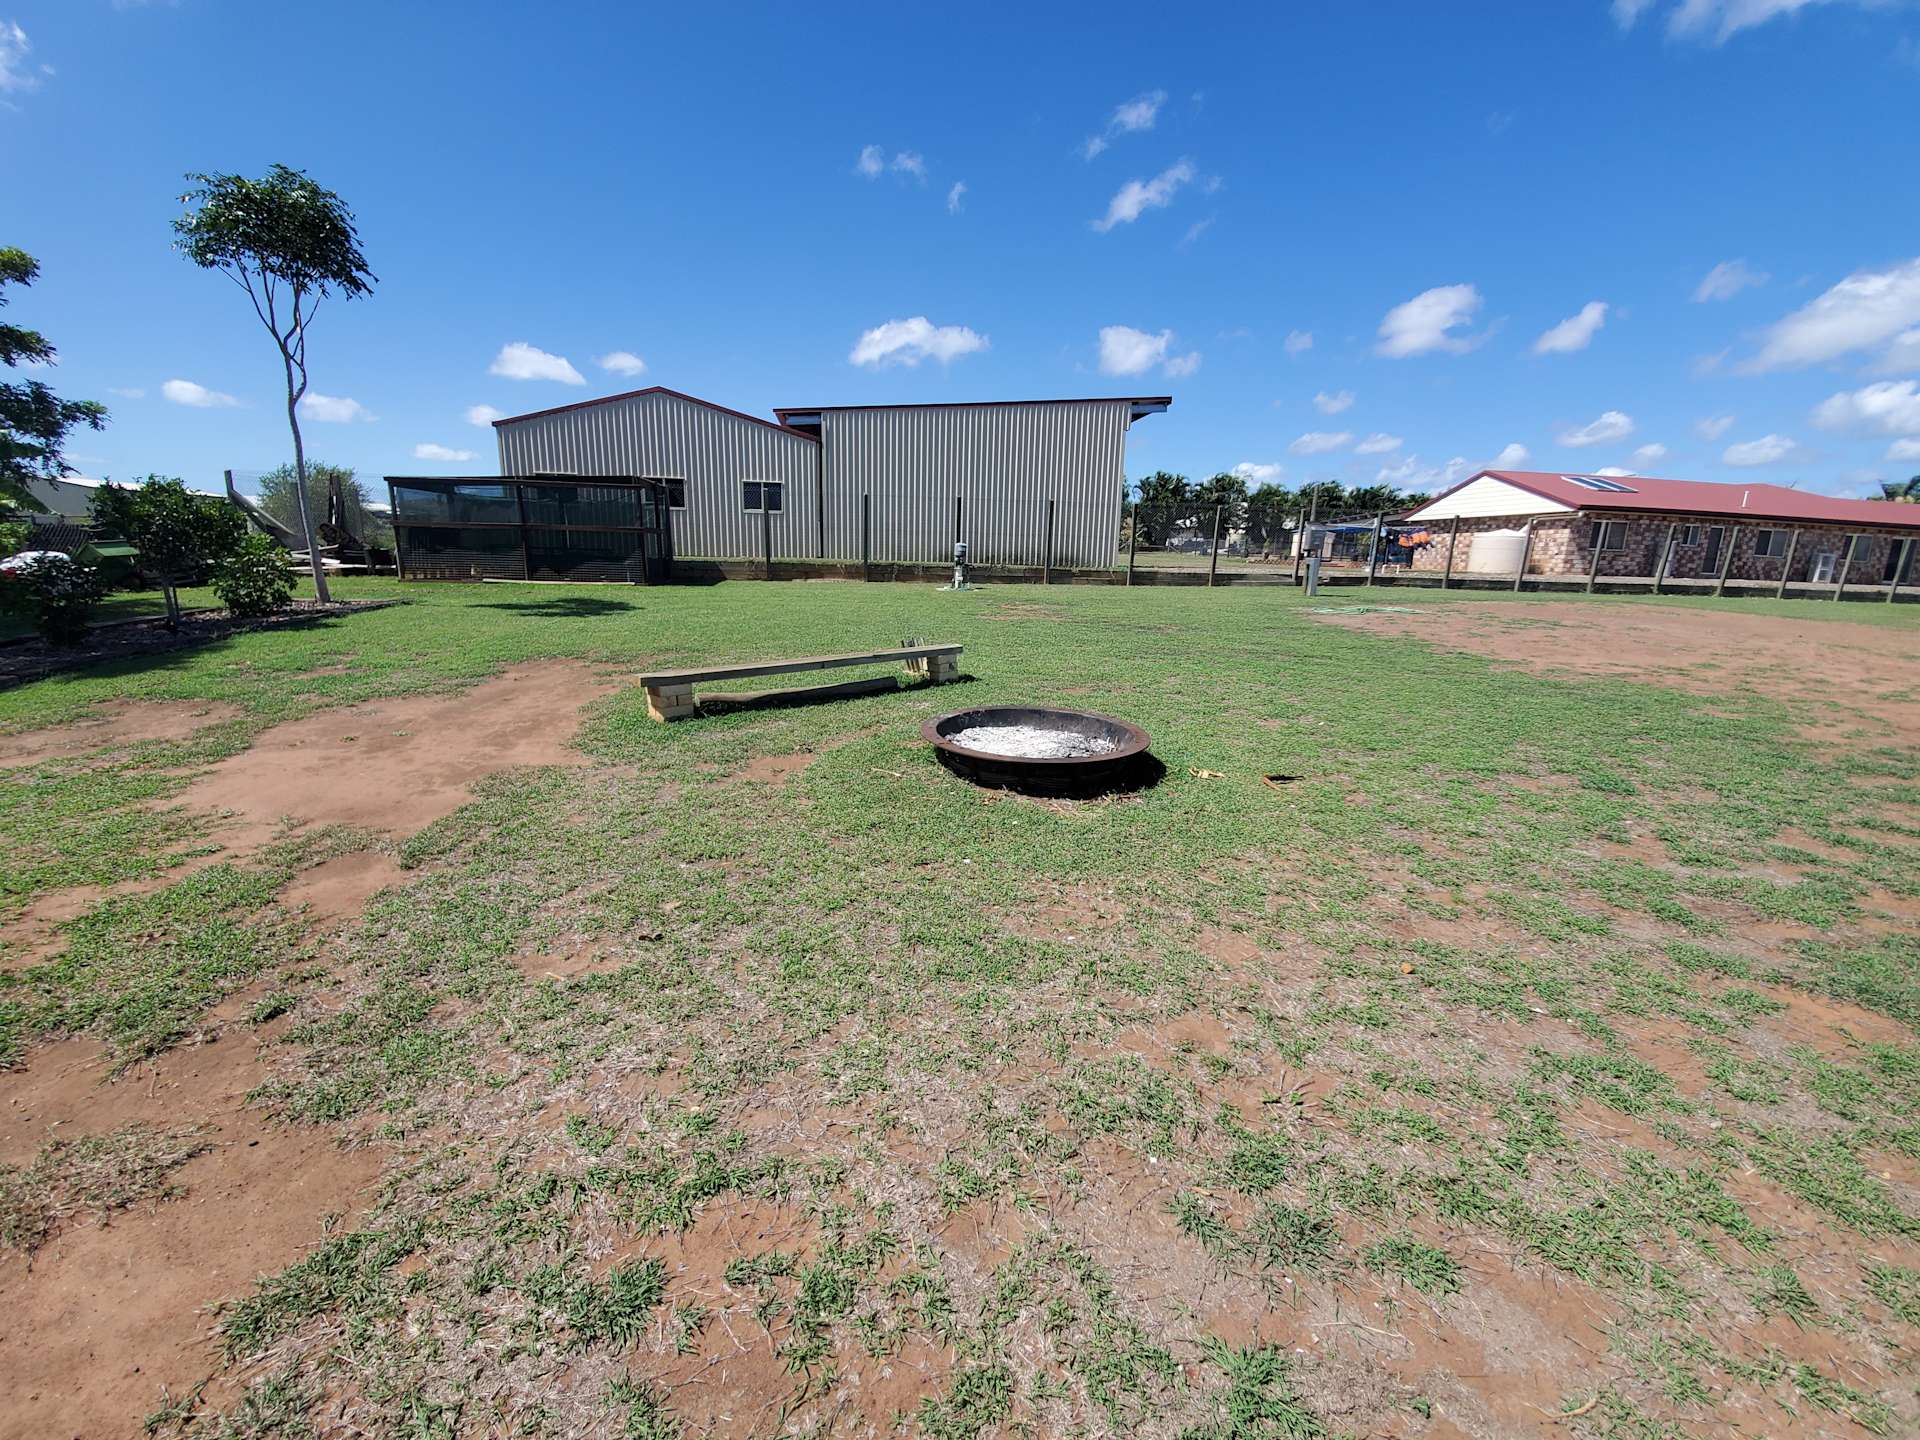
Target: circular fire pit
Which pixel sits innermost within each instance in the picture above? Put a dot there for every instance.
(1049, 752)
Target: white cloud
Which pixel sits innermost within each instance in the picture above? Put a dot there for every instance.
(622, 362)
(1411, 474)
(1576, 332)
(1511, 457)
(1321, 442)
(1767, 450)
(1138, 113)
(873, 163)
(484, 415)
(521, 361)
(954, 196)
(1333, 404)
(1902, 354)
(1196, 230)
(430, 451)
(1257, 474)
(908, 342)
(1626, 12)
(17, 73)
(1127, 351)
(1713, 426)
(1135, 115)
(127, 392)
(185, 392)
(1613, 472)
(1905, 449)
(1723, 19)
(1136, 197)
(1648, 454)
(1299, 342)
(1891, 407)
(1728, 279)
(1424, 323)
(1612, 425)
(1378, 443)
(332, 409)
(1863, 310)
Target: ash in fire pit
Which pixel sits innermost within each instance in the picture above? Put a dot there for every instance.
(1049, 752)
(1034, 742)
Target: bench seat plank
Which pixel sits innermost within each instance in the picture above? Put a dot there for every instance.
(658, 679)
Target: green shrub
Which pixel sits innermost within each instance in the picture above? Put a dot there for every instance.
(256, 579)
(56, 592)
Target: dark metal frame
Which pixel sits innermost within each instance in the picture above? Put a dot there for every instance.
(656, 563)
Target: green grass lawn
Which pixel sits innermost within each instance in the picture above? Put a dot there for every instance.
(1149, 1115)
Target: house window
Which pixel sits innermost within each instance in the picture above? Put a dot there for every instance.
(1689, 535)
(1769, 542)
(676, 492)
(768, 495)
(1610, 535)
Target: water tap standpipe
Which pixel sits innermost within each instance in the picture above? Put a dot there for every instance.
(959, 564)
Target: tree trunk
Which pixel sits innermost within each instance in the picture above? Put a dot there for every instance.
(173, 604)
(300, 489)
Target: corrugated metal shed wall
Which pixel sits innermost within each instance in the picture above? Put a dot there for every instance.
(671, 438)
(1003, 461)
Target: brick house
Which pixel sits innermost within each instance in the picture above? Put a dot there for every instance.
(1607, 526)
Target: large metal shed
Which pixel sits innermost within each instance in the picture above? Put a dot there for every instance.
(1017, 480)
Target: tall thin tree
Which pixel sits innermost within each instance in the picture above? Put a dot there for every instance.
(289, 244)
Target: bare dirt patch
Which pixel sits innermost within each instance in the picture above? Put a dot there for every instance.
(102, 1317)
(121, 723)
(338, 889)
(777, 769)
(1870, 673)
(396, 766)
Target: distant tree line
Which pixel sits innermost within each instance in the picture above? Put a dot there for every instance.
(1167, 503)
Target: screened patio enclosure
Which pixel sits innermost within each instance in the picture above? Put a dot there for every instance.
(531, 527)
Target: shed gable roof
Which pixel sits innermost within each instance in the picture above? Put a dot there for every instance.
(1647, 494)
(656, 390)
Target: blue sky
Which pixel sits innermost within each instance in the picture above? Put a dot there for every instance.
(1351, 241)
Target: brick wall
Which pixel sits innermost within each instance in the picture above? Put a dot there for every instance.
(1562, 546)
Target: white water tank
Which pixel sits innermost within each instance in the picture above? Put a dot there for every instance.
(1496, 552)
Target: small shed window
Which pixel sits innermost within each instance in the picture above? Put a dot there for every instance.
(768, 495)
(1610, 535)
(1769, 542)
(676, 492)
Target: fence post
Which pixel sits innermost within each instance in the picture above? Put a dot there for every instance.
(1133, 539)
(393, 509)
(1526, 549)
(1596, 531)
(1213, 560)
(866, 536)
(956, 519)
(1373, 555)
(766, 535)
(1786, 566)
(526, 555)
(1453, 539)
(1726, 560)
(1666, 556)
(1846, 564)
(1046, 564)
(1893, 581)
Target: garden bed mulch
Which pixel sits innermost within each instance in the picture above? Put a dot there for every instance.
(130, 640)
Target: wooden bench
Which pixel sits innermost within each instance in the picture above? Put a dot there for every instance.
(670, 692)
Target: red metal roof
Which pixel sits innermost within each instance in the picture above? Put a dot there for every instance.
(1646, 494)
(658, 390)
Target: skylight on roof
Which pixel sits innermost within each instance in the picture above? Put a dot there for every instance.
(1594, 482)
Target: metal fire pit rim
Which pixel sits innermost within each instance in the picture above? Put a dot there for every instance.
(1136, 742)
